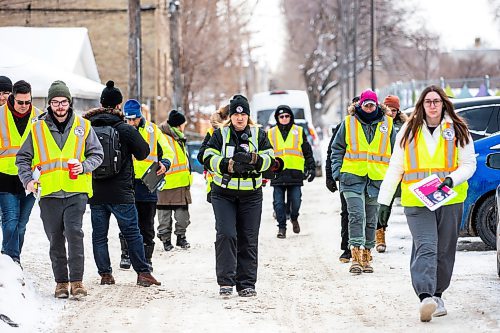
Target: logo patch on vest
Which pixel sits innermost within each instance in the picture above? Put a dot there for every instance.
(383, 128)
(79, 131)
(448, 134)
(150, 129)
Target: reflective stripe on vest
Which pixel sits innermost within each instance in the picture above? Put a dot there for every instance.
(149, 133)
(362, 158)
(291, 149)
(418, 164)
(53, 161)
(178, 175)
(234, 183)
(10, 139)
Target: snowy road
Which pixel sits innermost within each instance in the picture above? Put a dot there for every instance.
(302, 287)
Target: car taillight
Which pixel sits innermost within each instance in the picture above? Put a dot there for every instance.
(278, 92)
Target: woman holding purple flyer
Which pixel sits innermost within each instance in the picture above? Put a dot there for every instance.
(433, 141)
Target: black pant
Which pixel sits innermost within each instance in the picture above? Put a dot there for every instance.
(147, 212)
(344, 221)
(237, 222)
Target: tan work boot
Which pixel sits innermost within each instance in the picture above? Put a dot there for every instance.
(107, 278)
(380, 240)
(357, 259)
(145, 279)
(77, 289)
(62, 290)
(366, 261)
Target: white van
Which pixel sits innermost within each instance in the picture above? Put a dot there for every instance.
(264, 104)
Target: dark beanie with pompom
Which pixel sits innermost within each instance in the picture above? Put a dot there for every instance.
(111, 96)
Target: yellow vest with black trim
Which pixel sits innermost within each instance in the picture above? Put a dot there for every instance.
(419, 164)
(10, 139)
(289, 150)
(208, 175)
(53, 162)
(362, 158)
(178, 175)
(153, 136)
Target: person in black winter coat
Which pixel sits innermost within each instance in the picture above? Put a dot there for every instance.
(299, 165)
(115, 195)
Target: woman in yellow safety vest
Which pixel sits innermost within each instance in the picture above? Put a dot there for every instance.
(434, 141)
(237, 154)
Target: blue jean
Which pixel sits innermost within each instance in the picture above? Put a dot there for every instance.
(126, 215)
(15, 210)
(294, 197)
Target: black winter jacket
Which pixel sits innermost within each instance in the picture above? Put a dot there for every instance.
(120, 188)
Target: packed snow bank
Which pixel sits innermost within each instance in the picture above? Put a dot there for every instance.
(20, 305)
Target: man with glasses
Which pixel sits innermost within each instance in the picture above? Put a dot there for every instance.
(290, 144)
(5, 89)
(58, 136)
(360, 157)
(15, 205)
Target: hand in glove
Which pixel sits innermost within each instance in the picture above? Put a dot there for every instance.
(243, 157)
(309, 174)
(331, 185)
(446, 182)
(239, 167)
(383, 215)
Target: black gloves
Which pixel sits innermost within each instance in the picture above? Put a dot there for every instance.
(383, 215)
(239, 167)
(331, 185)
(446, 182)
(309, 174)
(244, 157)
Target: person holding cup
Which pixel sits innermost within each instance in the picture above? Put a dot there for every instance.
(62, 136)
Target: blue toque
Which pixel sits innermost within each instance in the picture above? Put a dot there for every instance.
(132, 109)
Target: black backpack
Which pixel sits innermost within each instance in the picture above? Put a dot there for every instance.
(112, 161)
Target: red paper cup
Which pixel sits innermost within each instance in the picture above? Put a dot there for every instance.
(71, 164)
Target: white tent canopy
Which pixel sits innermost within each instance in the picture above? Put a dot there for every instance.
(45, 62)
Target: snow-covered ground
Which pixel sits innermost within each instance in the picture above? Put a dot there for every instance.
(302, 287)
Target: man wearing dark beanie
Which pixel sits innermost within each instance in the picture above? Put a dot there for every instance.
(5, 89)
(174, 198)
(111, 96)
(15, 205)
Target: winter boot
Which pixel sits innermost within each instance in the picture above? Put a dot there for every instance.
(125, 262)
(281, 233)
(148, 252)
(296, 226)
(62, 290)
(366, 261)
(380, 240)
(357, 259)
(77, 289)
(345, 257)
(182, 242)
(167, 245)
(107, 278)
(145, 279)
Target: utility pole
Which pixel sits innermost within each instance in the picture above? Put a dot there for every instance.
(354, 49)
(162, 63)
(134, 50)
(372, 35)
(175, 53)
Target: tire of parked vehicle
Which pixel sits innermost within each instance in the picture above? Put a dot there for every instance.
(486, 221)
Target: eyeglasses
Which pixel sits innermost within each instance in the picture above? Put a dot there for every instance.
(23, 102)
(436, 102)
(57, 103)
(369, 105)
(284, 116)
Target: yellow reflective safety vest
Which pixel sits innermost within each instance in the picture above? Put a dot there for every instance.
(290, 150)
(419, 164)
(362, 158)
(53, 162)
(208, 174)
(153, 136)
(178, 175)
(10, 139)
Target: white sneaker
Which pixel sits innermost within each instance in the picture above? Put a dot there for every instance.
(440, 310)
(427, 308)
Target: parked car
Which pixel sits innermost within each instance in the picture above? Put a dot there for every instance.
(193, 149)
(494, 162)
(479, 217)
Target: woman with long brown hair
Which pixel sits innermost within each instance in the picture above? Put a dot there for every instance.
(433, 141)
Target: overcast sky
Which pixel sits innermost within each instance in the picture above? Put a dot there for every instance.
(458, 22)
